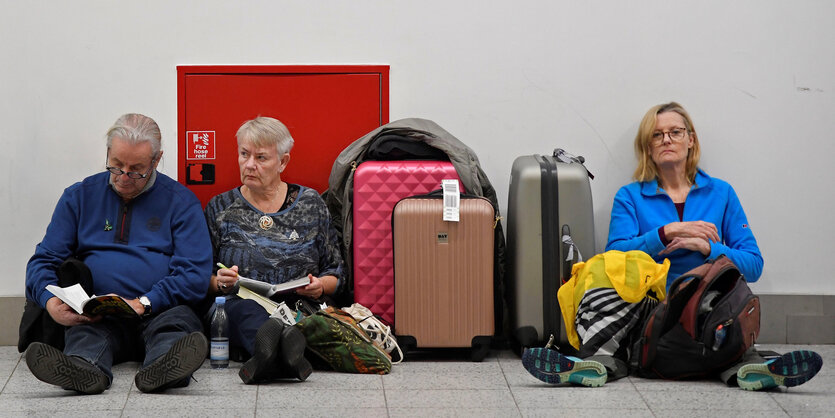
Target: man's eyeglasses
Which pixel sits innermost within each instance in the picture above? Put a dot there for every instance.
(132, 174)
(676, 134)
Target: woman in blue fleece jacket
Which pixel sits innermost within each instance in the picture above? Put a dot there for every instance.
(651, 215)
(675, 210)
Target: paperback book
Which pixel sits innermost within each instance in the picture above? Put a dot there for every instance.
(270, 290)
(84, 304)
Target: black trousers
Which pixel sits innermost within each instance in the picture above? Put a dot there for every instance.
(617, 368)
(36, 325)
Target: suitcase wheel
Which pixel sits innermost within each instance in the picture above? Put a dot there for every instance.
(524, 337)
(481, 347)
(406, 343)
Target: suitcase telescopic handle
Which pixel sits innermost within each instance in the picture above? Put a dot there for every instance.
(564, 157)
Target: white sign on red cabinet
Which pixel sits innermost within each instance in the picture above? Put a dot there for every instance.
(200, 145)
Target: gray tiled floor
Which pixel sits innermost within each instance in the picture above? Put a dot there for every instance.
(437, 386)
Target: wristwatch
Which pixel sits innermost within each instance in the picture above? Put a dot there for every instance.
(146, 303)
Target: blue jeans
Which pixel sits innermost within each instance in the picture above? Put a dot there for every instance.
(113, 340)
(245, 317)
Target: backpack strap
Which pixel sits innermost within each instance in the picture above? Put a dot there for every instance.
(665, 316)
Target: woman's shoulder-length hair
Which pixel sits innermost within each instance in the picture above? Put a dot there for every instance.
(647, 170)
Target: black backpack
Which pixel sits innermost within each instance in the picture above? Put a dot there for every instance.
(708, 320)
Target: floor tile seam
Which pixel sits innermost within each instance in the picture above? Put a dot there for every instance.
(641, 395)
(510, 388)
(716, 412)
(8, 379)
(779, 405)
(450, 389)
(127, 398)
(257, 397)
(385, 394)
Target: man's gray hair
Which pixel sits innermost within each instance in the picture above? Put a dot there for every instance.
(135, 129)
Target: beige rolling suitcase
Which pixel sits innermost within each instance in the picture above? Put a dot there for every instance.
(443, 274)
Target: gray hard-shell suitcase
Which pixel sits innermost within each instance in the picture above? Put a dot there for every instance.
(550, 225)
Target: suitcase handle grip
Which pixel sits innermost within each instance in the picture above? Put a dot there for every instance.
(564, 157)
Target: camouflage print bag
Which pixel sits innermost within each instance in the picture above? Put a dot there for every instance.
(334, 336)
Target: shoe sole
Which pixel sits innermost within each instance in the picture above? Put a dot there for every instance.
(552, 367)
(52, 366)
(180, 362)
(790, 369)
(266, 349)
(292, 359)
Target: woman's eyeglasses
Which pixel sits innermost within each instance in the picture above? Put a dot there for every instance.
(676, 134)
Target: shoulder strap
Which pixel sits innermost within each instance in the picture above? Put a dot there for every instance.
(666, 315)
(714, 275)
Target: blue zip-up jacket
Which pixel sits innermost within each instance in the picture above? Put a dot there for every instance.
(641, 208)
(157, 244)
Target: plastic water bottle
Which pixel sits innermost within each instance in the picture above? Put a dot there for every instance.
(219, 352)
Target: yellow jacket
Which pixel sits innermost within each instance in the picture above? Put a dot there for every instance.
(632, 274)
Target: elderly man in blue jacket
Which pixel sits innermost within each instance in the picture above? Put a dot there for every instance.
(143, 237)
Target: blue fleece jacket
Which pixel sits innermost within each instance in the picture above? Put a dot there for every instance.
(641, 208)
(156, 245)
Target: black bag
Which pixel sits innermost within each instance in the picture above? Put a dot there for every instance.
(708, 320)
(394, 147)
(36, 325)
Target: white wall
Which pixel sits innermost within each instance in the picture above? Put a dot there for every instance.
(507, 78)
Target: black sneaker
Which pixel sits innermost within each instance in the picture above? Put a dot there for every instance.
(291, 362)
(262, 363)
(175, 367)
(52, 366)
(279, 352)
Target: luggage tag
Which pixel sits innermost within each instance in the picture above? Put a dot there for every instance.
(452, 200)
(284, 314)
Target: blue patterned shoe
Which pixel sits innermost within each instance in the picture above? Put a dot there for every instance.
(791, 369)
(550, 366)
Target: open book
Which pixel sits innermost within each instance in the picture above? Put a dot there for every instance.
(77, 298)
(269, 290)
(268, 304)
(278, 310)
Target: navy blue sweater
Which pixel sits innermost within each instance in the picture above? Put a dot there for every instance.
(156, 245)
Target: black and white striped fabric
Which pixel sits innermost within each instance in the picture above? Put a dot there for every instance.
(605, 322)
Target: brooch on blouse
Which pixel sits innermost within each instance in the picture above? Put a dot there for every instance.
(266, 222)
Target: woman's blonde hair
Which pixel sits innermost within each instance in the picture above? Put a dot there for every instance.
(647, 170)
(264, 131)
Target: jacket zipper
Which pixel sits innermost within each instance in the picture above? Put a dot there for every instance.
(123, 221)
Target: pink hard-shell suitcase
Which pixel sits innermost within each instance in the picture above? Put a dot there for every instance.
(378, 185)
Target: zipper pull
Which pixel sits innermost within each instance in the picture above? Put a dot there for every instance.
(719, 336)
(299, 314)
